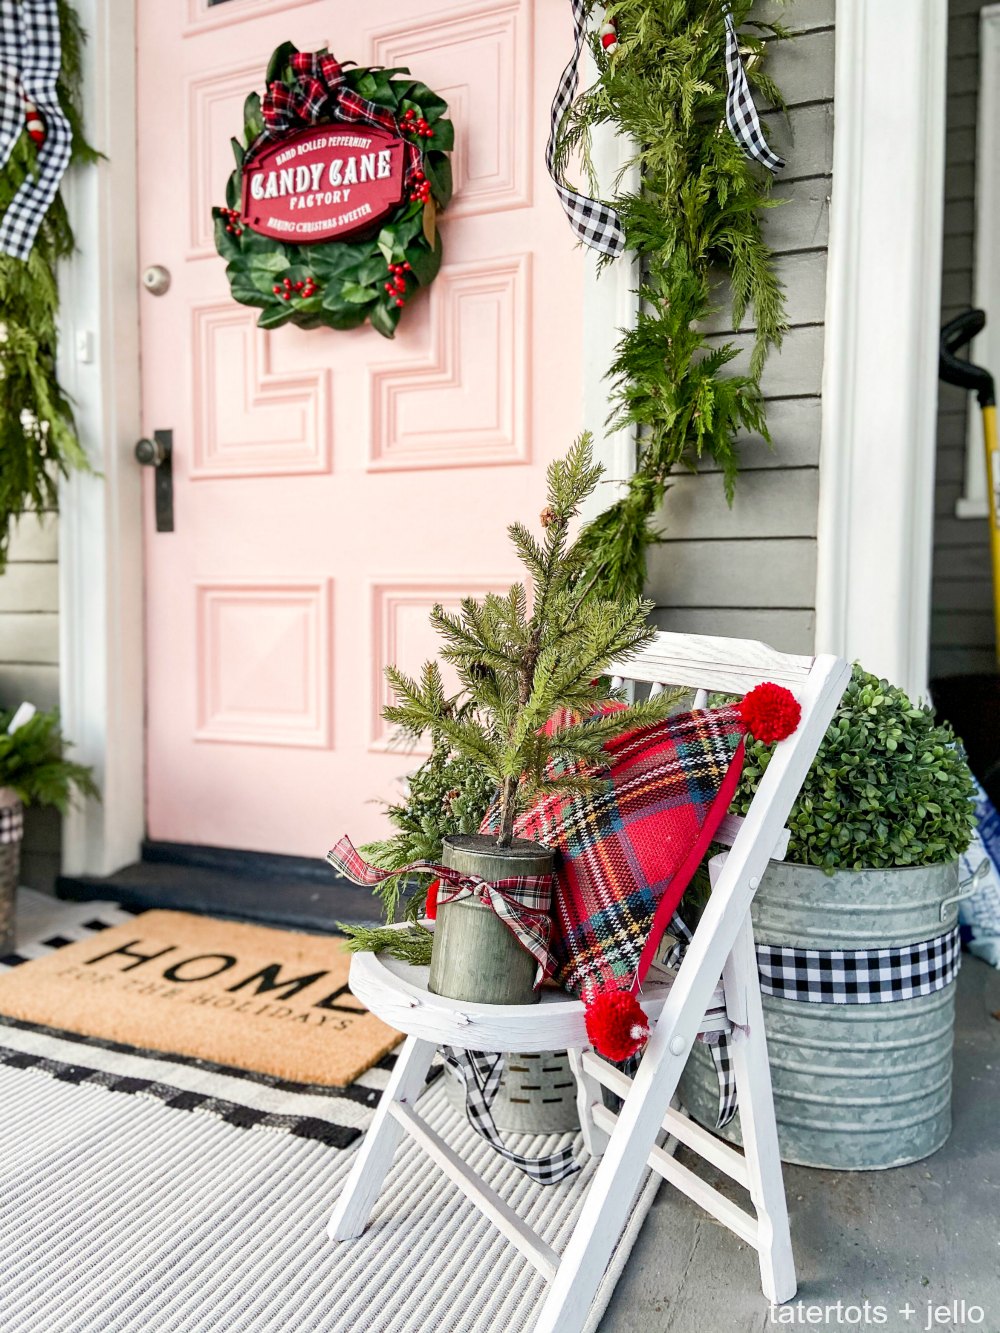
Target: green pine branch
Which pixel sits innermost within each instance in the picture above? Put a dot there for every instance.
(694, 221)
(38, 440)
(520, 665)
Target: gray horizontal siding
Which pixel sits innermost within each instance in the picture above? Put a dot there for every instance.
(961, 591)
(29, 663)
(750, 570)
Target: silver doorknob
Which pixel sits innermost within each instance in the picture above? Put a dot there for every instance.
(156, 279)
(151, 453)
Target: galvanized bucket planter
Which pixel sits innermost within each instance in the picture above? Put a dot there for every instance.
(856, 1086)
(537, 1094)
(475, 956)
(11, 826)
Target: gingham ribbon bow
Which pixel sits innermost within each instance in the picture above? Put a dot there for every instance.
(30, 55)
(521, 902)
(741, 113)
(596, 224)
(321, 94)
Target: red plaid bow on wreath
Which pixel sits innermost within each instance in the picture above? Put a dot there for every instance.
(321, 94)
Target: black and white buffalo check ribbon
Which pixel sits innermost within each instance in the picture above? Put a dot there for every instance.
(30, 54)
(741, 113)
(11, 822)
(596, 224)
(480, 1073)
(844, 976)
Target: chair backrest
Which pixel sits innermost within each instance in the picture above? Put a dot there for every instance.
(734, 666)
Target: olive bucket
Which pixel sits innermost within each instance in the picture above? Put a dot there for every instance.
(856, 1086)
(476, 956)
(11, 828)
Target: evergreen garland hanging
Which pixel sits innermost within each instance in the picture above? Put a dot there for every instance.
(38, 440)
(694, 221)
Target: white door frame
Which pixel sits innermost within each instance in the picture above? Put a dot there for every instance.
(100, 523)
(882, 312)
(100, 546)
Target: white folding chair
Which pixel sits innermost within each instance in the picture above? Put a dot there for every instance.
(690, 1002)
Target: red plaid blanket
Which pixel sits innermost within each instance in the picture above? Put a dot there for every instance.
(626, 854)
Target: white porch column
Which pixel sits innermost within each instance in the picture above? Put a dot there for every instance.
(883, 303)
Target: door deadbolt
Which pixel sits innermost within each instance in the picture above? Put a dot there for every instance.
(156, 279)
(157, 453)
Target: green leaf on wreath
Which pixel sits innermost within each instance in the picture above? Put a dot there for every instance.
(437, 169)
(256, 244)
(233, 189)
(275, 316)
(239, 152)
(431, 105)
(226, 243)
(281, 58)
(245, 291)
(425, 263)
(384, 319)
(373, 269)
(346, 317)
(253, 119)
(444, 136)
(354, 294)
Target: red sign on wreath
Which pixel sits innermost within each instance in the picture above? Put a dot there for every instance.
(328, 183)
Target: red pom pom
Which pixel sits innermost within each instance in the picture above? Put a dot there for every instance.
(770, 712)
(616, 1024)
(431, 905)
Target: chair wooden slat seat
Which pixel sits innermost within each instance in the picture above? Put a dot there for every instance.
(397, 993)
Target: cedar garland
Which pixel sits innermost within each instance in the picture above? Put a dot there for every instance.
(38, 441)
(694, 221)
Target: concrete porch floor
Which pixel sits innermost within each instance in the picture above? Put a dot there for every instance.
(916, 1235)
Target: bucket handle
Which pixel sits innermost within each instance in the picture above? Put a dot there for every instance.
(969, 886)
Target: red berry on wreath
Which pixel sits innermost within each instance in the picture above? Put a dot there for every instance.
(400, 301)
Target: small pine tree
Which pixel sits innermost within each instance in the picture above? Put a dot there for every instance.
(520, 666)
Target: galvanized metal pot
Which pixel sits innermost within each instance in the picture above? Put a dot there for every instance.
(537, 1094)
(475, 956)
(856, 1087)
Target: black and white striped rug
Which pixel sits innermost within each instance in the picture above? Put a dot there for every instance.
(334, 1116)
(142, 1191)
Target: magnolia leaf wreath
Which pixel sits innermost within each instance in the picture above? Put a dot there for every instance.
(340, 283)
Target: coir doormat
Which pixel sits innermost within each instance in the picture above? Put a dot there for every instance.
(266, 1000)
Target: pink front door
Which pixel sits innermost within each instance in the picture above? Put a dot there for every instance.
(330, 487)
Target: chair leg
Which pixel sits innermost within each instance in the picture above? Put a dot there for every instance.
(612, 1191)
(760, 1131)
(588, 1093)
(364, 1184)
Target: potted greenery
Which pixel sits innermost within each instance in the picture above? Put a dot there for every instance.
(519, 667)
(872, 865)
(34, 770)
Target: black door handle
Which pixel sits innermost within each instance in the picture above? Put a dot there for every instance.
(158, 453)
